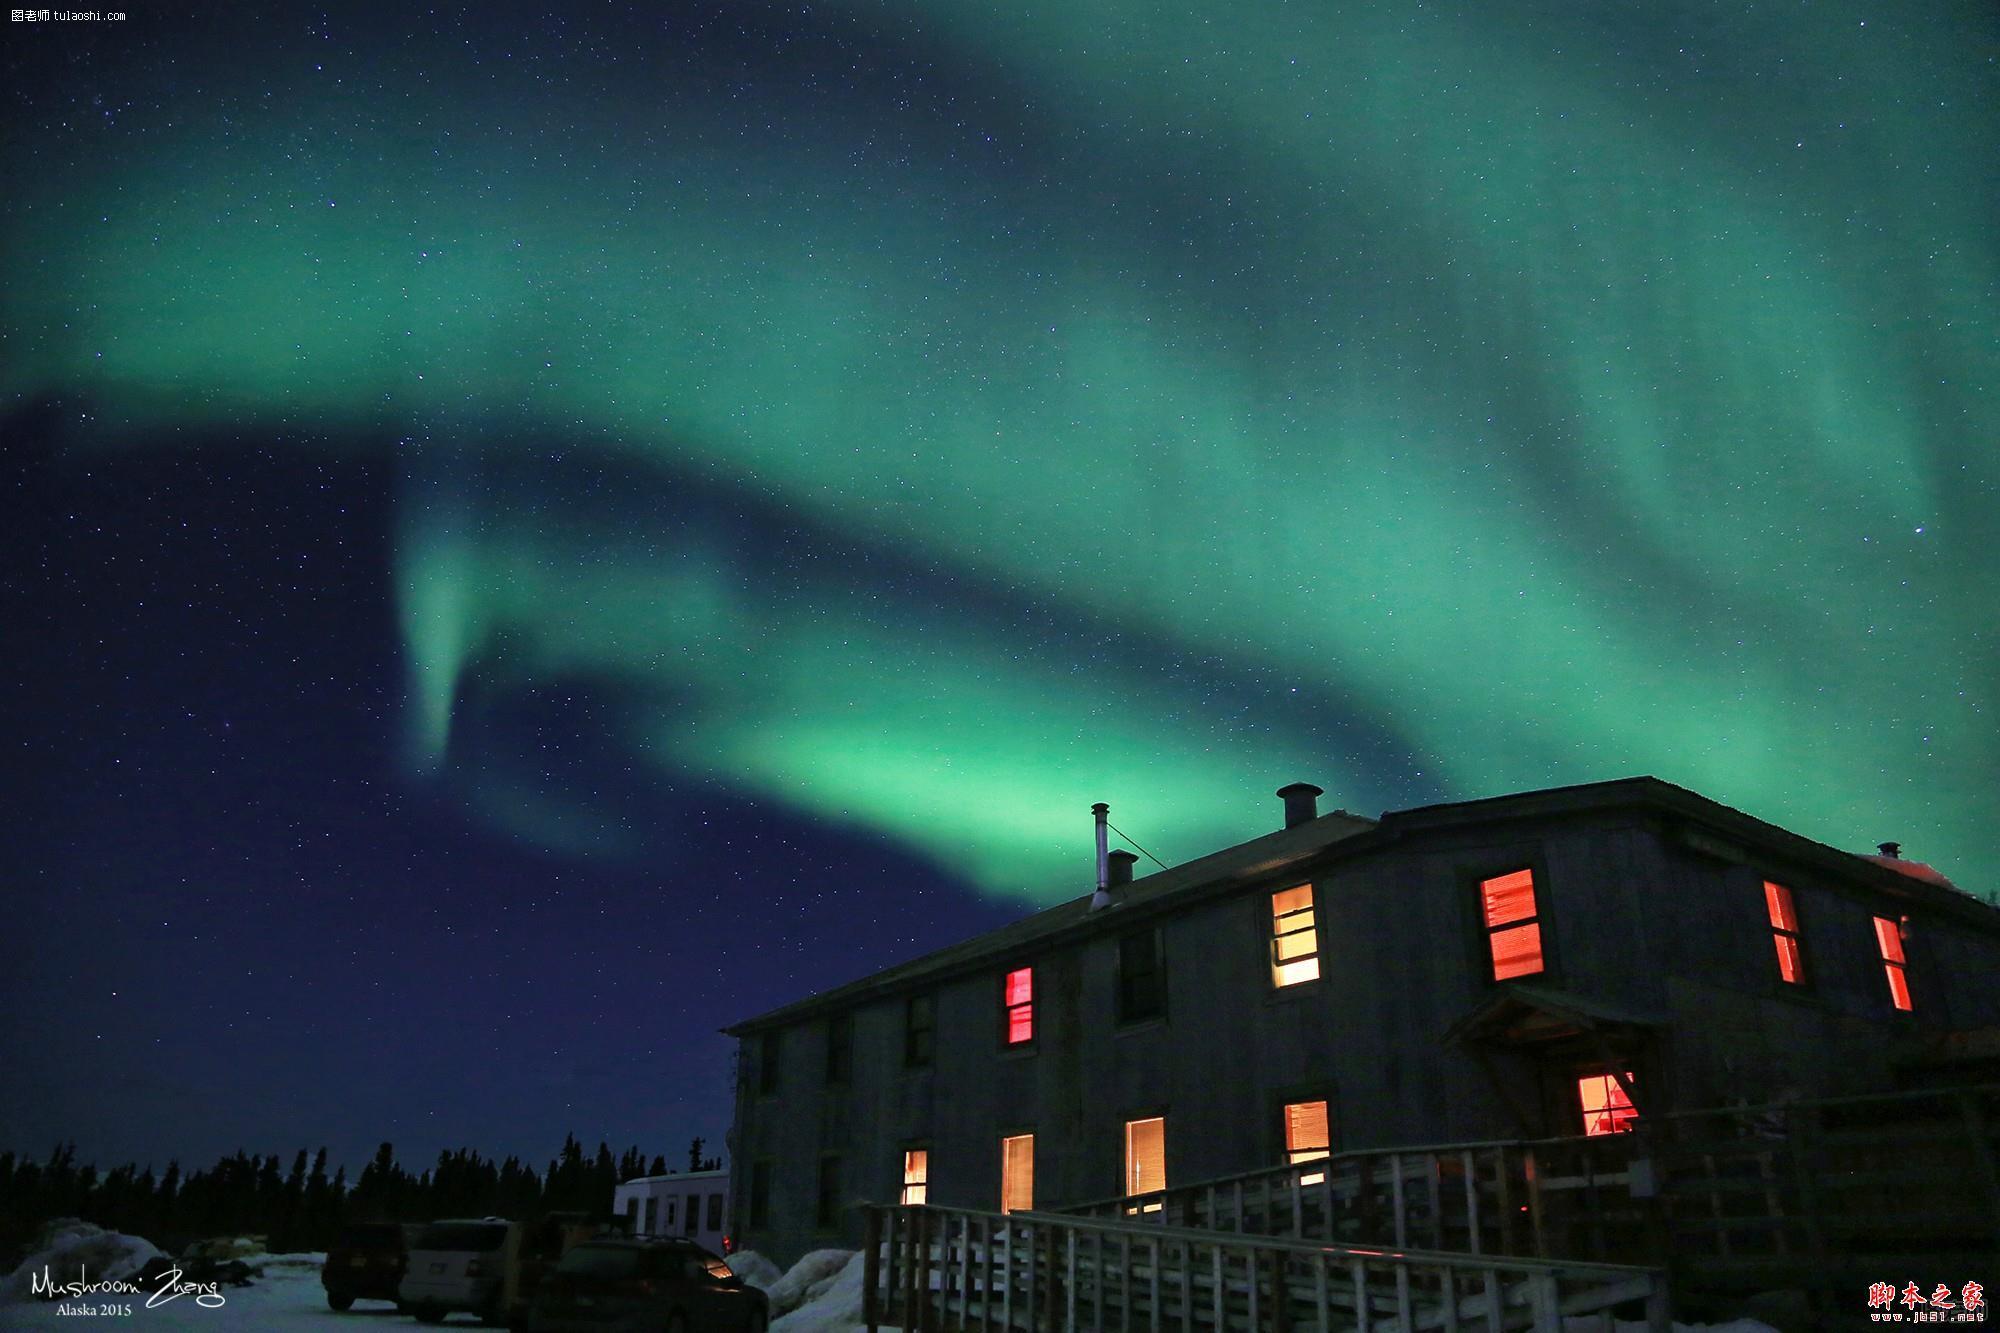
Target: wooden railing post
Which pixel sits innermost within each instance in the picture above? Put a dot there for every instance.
(871, 1266)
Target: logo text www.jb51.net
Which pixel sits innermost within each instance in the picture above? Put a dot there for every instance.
(1965, 1305)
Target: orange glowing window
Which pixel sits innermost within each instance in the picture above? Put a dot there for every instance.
(1020, 1002)
(1017, 1173)
(916, 1175)
(1889, 937)
(1606, 1108)
(1145, 1155)
(1785, 932)
(1294, 936)
(1513, 925)
(1306, 1133)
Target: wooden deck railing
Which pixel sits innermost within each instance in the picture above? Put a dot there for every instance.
(1737, 1197)
(931, 1270)
(1551, 1197)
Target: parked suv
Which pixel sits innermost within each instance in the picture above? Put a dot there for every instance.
(366, 1263)
(459, 1265)
(629, 1285)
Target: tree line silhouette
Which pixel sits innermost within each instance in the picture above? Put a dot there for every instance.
(302, 1208)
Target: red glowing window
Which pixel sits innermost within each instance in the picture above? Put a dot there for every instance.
(1785, 932)
(1020, 1002)
(1513, 927)
(1606, 1107)
(1889, 937)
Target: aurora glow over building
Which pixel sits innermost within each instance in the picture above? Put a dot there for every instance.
(894, 427)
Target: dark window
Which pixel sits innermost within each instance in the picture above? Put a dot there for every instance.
(1142, 991)
(672, 1204)
(767, 1063)
(839, 1048)
(603, 1261)
(646, 1225)
(477, 1237)
(1018, 1001)
(692, 1222)
(760, 1193)
(827, 1212)
(919, 1031)
(715, 1212)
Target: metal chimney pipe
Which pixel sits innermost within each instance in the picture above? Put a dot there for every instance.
(1301, 803)
(1102, 898)
(1892, 850)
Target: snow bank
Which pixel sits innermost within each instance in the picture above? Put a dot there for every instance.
(755, 1269)
(792, 1290)
(68, 1245)
(832, 1303)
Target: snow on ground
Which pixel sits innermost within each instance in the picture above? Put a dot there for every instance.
(284, 1295)
(822, 1294)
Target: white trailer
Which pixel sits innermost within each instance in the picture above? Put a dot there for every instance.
(694, 1204)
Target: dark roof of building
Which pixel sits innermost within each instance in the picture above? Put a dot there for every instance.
(1706, 826)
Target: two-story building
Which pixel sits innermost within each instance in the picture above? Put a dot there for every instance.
(1549, 963)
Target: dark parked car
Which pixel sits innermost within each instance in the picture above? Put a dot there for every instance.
(366, 1264)
(650, 1285)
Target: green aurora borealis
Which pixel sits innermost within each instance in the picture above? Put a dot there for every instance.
(1429, 407)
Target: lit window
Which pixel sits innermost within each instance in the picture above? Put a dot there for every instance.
(1145, 1156)
(916, 1175)
(919, 1031)
(1141, 992)
(1606, 1108)
(1785, 932)
(1294, 937)
(1889, 935)
(1513, 928)
(1020, 1002)
(1306, 1134)
(1017, 1173)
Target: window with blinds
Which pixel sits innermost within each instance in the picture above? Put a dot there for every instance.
(1017, 1173)
(1145, 1155)
(1294, 936)
(1513, 924)
(916, 1175)
(1018, 997)
(1307, 1134)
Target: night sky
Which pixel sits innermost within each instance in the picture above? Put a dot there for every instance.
(531, 535)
